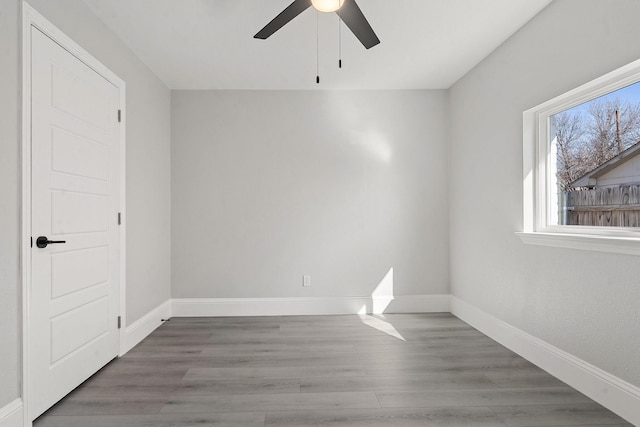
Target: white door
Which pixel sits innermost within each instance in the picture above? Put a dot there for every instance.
(73, 309)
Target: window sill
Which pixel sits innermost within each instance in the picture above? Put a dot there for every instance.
(618, 245)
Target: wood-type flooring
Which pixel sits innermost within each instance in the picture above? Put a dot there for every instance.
(396, 370)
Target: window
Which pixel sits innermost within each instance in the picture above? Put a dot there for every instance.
(582, 166)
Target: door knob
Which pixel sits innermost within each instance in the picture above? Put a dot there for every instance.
(43, 241)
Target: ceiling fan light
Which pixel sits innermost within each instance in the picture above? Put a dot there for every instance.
(327, 5)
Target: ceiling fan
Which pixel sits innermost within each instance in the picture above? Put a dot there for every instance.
(347, 10)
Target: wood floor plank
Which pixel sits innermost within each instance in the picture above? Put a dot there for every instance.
(125, 389)
(435, 381)
(271, 402)
(238, 386)
(516, 378)
(449, 366)
(271, 372)
(291, 350)
(555, 415)
(218, 419)
(481, 397)
(108, 405)
(431, 417)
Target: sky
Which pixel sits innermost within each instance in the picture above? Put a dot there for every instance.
(630, 93)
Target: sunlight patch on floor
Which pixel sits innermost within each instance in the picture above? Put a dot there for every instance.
(381, 325)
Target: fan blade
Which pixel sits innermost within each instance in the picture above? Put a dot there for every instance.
(293, 10)
(351, 15)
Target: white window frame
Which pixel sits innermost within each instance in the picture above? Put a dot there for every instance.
(539, 179)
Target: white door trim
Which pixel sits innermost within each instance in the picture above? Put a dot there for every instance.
(30, 17)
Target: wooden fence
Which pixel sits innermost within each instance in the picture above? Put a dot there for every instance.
(605, 207)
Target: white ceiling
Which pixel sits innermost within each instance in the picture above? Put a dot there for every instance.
(209, 44)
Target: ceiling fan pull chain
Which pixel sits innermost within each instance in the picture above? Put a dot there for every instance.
(339, 37)
(317, 47)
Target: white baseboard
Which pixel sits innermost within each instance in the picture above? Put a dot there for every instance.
(228, 307)
(12, 415)
(611, 392)
(142, 327)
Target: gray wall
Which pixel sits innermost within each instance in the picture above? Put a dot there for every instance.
(9, 200)
(148, 149)
(583, 302)
(343, 186)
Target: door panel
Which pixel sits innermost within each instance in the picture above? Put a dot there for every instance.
(74, 212)
(74, 285)
(79, 156)
(86, 103)
(80, 269)
(72, 330)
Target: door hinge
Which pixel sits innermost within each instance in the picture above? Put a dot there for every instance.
(119, 116)
(119, 218)
(119, 322)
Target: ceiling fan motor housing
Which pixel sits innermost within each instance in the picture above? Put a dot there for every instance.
(327, 5)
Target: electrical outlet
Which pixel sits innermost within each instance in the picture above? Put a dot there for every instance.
(306, 281)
